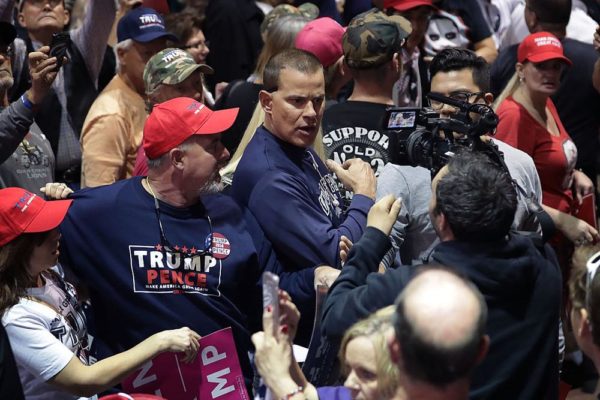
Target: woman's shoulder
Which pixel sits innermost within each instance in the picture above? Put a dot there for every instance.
(28, 312)
(508, 105)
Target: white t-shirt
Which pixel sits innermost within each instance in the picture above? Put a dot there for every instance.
(43, 341)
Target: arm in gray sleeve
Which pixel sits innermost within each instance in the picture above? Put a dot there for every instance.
(391, 181)
(15, 121)
(412, 233)
(91, 37)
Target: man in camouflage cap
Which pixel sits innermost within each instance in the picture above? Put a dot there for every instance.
(170, 73)
(353, 129)
(373, 38)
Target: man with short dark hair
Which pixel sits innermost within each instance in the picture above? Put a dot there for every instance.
(440, 337)
(578, 99)
(289, 190)
(472, 208)
(112, 132)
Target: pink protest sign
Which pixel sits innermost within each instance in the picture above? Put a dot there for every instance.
(215, 374)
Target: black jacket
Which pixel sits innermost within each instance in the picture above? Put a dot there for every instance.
(522, 289)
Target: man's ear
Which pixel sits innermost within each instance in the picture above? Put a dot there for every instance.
(489, 98)
(67, 17)
(176, 158)
(266, 101)
(341, 67)
(397, 62)
(531, 19)
(121, 52)
(21, 20)
(393, 346)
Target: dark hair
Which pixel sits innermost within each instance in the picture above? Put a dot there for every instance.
(14, 263)
(456, 59)
(298, 60)
(551, 11)
(182, 25)
(477, 197)
(432, 363)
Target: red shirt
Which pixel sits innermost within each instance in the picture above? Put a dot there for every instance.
(554, 156)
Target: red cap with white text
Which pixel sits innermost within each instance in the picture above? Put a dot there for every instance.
(25, 212)
(539, 47)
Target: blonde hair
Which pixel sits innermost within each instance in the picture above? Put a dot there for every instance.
(374, 328)
(280, 36)
(509, 90)
(258, 117)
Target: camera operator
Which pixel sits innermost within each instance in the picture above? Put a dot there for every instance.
(472, 208)
(461, 75)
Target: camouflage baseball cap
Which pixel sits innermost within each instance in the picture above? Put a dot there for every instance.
(373, 37)
(307, 10)
(170, 67)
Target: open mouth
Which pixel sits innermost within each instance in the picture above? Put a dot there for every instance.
(307, 130)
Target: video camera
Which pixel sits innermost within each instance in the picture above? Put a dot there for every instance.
(421, 137)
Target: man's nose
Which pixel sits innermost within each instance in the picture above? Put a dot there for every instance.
(447, 111)
(225, 153)
(310, 111)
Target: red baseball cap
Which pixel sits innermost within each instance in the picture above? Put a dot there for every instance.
(323, 38)
(25, 212)
(405, 5)
(540, 47)
(172, 122)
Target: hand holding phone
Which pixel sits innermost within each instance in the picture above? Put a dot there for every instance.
(270, 283)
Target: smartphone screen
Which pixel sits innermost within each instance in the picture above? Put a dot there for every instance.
(271, 296)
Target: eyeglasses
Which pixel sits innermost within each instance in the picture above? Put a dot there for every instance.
(196, 45)
(166, 246)
(460, 96)
(592, 267)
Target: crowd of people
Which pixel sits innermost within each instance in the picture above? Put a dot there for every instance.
(417, 176)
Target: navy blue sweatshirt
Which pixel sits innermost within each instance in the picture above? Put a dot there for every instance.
(296, 202)
(111, 241)
(522, 290)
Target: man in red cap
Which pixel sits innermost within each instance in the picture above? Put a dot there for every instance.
(165, 248)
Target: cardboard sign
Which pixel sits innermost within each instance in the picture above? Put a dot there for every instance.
(215, 374)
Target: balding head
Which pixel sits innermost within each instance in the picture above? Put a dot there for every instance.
(440, 323)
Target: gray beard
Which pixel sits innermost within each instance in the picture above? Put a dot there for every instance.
(212, 186)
